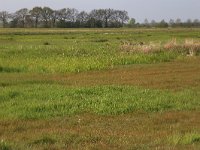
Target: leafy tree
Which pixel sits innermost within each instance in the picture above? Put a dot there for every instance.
(162, 24)
(131, 22)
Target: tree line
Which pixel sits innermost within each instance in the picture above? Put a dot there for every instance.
(164, 24)
(64, 18)
(72, 18)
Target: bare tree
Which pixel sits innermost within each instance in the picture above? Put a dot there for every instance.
(153, 23)
(178, 22)
(36, 15)
(82, 17)
(66, 17)
(21, 15)
(4, 16)
(106, 16)
(171, 22)
(123, 16)
(47, 15)
(62, 14)
(196, 22)
(146, 22)
(71, 14)
(93, 18)
(55, 17)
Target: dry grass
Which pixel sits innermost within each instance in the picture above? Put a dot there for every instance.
(172, 44)
(190, 47)
(132, 131)
(129, 47)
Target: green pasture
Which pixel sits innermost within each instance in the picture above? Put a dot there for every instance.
(76, 51)
(58, 89)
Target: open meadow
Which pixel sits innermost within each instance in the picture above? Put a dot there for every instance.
(99, 89)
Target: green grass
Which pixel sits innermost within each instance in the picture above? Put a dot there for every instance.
(185, 139)
(46, 101)
(4, 145)
(80, 50)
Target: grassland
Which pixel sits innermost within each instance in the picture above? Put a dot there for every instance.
(99, 89)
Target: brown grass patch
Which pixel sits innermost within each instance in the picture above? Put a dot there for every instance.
(86, 131)
(129, 47)
(190, 47)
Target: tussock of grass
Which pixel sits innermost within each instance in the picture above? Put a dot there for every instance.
(74, 139)
(5, 146)
(100, 40)
(46, 43)
(9, 69)
(44, 140)
(185, 139)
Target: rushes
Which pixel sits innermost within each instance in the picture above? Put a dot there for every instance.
(137, 47)
(171, 45)
(189, 47)
(192, 46)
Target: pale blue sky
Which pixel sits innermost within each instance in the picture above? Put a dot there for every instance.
(139, 9)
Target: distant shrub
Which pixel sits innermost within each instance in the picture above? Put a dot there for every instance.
(13, 94)
(10, 38)
(101, 40)
(46, 43)
(66, 37)
(9, 69)
(45, 140)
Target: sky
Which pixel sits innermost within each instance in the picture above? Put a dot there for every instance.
(138, 9)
